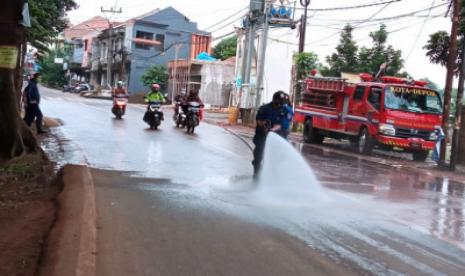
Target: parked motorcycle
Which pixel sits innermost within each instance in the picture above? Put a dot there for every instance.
(154, 115)
(179, 116)
(119, 106)
(193, 116)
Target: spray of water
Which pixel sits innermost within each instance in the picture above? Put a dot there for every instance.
(286, 178)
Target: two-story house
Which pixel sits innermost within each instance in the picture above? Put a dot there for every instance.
(80, 37)
(142, 42)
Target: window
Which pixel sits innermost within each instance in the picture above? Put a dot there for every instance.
(375, 97)
(143, 35)
(359, 93)
(413, 100)
(160, 38)
(86, 42)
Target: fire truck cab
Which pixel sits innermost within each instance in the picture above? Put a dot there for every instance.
(392, 113)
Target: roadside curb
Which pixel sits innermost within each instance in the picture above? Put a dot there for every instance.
(98, 97)
(72, 243)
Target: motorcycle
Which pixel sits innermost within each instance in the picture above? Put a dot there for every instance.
(193, 116)
(179, 117)
(154, 115)
(119, 106)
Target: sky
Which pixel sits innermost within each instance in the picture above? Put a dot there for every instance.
(408, 34)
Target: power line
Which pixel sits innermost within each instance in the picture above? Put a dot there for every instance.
(227, 18)
(377, 3)
(420, 32)
(353, 7)
(227, 24)
(223, 36)
(356, 25)
(372, 19)
(410, 14)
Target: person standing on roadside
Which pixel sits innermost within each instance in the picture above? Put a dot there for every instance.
(32, 104)
(286, 118)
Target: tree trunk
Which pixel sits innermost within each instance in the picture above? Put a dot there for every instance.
(15, 136)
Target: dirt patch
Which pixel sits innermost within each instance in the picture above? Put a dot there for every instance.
(27, 212)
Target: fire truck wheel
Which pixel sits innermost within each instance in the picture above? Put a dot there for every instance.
(420, 155)
(311, 135)
(365, 142)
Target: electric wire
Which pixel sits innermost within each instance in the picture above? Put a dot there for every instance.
(420, 32)
(356, 25)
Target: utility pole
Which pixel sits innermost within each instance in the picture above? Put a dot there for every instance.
(261, 59)
(458, 115)
(303, 25)
(113, 11)
(451, 62)
(255, 11)
(174, 89)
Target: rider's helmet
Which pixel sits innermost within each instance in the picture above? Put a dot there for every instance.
(119, 84)
(155, 87)
(279, 98)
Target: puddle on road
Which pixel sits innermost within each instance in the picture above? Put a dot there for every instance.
(62, 151)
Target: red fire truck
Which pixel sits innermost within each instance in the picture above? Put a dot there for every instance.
(391, 113)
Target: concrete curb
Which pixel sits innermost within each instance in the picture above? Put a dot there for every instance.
(72, 244)
(98, 97)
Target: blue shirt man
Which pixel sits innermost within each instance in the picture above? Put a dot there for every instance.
(286, 121)
(33, 111)
(269, 118)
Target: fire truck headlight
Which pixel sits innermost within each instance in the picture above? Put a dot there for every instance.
(387, 129)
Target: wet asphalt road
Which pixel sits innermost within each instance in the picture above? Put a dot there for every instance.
(183, 205)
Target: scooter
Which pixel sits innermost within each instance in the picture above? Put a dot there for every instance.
(119, 106)
(154, 115)
(179, 116)
(193, 116)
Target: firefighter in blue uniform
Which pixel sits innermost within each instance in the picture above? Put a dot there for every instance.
(286, 118)
(269, 118)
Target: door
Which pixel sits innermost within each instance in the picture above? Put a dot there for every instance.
(375, 103)
(357, 110)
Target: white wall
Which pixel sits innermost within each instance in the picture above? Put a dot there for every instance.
(278, 64)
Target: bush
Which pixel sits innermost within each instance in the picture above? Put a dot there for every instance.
(156, 74)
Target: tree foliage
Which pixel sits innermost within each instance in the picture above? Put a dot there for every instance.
(349, 58)
(226, 48)
(156, 74)
(48, 19)
(305, 62)
(52, 73)
(437, 47)
(345, 58)
(372, 58)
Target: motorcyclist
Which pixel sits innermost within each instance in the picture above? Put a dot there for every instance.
(192, 97)
(154, 95)
(269, 117)
(120, 90)
(180, 100)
